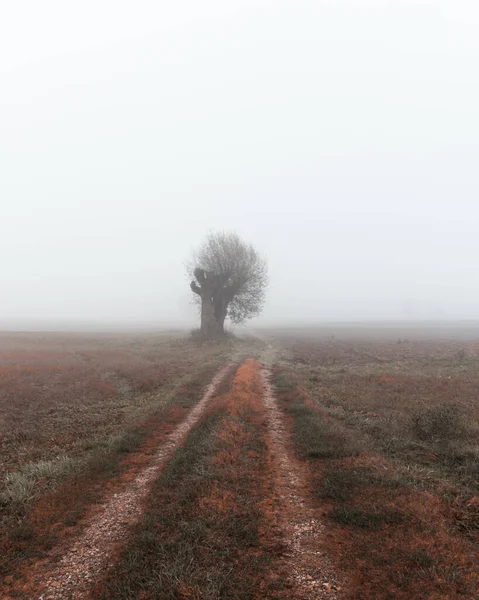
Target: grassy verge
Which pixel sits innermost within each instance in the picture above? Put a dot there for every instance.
(392, 539)
(44, 502)
(201, 531)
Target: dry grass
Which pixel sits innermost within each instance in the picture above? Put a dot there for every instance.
(385, 431)
(414, 402)
(390, 433)
(60, 393)
(64, 436)
(30, 531)
(200, 535)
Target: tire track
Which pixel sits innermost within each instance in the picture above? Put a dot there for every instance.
(310, 573)
(91, 553)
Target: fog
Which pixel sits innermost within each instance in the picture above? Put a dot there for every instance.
(341, 138)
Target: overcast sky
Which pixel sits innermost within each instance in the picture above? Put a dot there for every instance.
(341, 137)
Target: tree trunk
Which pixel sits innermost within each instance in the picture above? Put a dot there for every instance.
(210, 327)
(220, 316)
(213, 304)
(221, 325)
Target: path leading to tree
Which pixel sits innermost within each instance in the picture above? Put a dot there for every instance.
(290, 534)
(305, 560)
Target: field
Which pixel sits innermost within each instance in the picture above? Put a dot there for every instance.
(394, 456)
(58, 389)
(338, 462)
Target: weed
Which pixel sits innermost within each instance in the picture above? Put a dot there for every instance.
(342, 485)
(20, 486)
(442, 423)
(283, 382)
(366, 519)
(125, 441)
(421, 558)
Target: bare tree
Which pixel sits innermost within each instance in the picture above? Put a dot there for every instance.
(229, 280)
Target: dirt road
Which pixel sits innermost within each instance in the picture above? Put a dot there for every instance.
(310, 572)
(292, 523)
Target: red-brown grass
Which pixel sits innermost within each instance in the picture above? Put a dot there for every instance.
(202, 532)
(59, 389)
(37, 527)
(393, 529)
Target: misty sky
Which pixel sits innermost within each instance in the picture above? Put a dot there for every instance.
(341, 137)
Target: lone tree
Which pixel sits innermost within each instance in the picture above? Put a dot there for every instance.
(230, 278)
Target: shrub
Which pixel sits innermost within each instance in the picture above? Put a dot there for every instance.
(439, 423)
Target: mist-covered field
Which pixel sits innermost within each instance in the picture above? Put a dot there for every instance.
(381, 427)
(239, 325)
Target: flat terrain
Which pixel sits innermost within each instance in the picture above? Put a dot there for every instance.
(59, 390)
(309, 463)
(393, 455)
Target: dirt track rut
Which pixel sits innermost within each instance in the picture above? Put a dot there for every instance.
(305, 562)
(83, 562)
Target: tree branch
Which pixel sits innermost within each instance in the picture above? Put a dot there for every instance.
(200, 275)
(195, 288)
